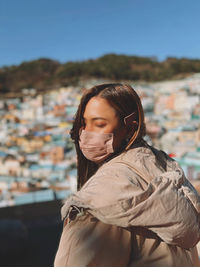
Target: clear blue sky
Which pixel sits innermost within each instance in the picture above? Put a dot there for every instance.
(82, 29)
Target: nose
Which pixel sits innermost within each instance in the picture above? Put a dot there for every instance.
(88, 127)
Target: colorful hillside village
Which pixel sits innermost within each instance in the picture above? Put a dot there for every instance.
(37, 156)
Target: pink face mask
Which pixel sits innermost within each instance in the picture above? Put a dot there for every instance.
(96, 146)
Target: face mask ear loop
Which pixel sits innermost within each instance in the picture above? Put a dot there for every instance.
(130, 117)
(135, 135)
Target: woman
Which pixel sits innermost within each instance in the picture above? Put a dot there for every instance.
(134, 206)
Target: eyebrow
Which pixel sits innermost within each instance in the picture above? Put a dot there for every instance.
(96, 118)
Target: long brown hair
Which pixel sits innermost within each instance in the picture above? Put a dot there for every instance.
(124, 100)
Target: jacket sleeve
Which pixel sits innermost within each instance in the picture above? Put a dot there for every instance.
(169, 206)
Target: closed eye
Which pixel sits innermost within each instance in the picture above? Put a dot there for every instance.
(100, 125)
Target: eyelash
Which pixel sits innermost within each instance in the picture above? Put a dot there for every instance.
(97, 125)
(100, 125)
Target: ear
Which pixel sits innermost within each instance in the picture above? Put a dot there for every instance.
(131, 123)
(132, 127)
(130, 118)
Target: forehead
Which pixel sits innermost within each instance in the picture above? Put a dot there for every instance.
(99, 107)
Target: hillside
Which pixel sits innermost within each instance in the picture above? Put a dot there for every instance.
(45, 74)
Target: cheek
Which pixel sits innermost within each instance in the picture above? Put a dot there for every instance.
(111, 128)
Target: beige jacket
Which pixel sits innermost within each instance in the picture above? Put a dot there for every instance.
(137, 210)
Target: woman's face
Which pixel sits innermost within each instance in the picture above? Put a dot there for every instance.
(101, 117)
